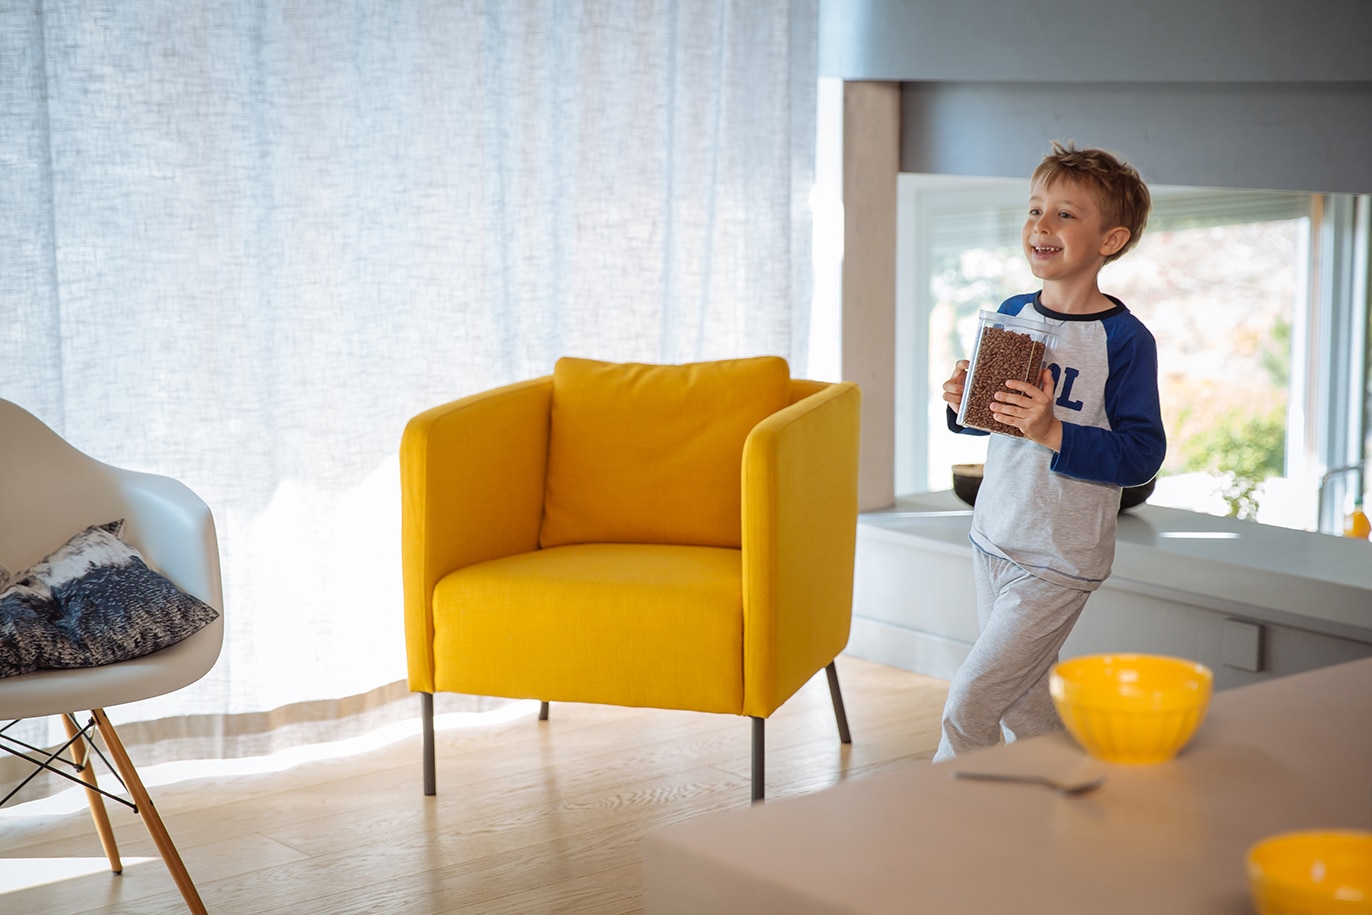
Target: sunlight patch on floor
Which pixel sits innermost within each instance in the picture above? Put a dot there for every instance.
(26, 873)
(74, 799)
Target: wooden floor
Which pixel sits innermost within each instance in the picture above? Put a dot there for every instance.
(530, 816)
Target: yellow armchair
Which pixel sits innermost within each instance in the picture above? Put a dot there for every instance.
(641, 535)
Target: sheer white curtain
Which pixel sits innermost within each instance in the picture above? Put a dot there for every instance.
(241, 243)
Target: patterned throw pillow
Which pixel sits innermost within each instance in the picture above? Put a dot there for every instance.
(93, 601)
(23, 612)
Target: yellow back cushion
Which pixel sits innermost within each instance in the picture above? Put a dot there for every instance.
(651, 453)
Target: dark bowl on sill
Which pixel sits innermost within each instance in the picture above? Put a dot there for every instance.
(1136, 495)
(967, 480)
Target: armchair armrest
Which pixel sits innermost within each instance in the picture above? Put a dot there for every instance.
(800, 470)
(471, 489)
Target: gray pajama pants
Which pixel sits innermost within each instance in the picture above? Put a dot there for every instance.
(1004, 681)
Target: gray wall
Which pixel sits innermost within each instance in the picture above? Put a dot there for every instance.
(1225, 93)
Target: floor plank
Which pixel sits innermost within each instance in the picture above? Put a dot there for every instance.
(530, 816)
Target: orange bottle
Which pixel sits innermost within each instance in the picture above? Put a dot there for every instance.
(1357, 524)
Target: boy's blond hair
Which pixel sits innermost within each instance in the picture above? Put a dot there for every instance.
(1123, 197)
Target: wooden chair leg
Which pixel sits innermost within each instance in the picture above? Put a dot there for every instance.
(837, 696)
(97, 803)
(759, 751)
(170, 857)
(427, 719)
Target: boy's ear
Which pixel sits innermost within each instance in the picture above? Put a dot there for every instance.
(1115, 239)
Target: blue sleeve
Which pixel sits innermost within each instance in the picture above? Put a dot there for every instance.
(961, 430)
(1017, 303)
(1131, 451)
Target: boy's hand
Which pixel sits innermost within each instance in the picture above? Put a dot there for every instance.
(1030, 410)
(952, 388)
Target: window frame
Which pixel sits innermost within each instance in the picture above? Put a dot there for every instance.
(1329, 406)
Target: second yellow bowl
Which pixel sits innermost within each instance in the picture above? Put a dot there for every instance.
(1317, 872)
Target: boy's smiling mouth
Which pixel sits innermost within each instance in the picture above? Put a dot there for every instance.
(1045, 249)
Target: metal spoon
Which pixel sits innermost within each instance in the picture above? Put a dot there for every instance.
(1067, 789)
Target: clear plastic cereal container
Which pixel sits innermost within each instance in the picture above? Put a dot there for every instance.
(1007, 347)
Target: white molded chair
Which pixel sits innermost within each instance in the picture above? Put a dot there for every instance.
(49, 491)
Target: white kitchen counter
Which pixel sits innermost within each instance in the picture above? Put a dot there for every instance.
(1182, 571)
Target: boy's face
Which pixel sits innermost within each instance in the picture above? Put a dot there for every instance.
(1065, 236)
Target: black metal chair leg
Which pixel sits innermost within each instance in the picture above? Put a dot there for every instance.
(543, 712)
(837, 696)
(427, 718)
(759, 751)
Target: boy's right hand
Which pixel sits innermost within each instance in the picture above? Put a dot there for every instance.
(952, 388)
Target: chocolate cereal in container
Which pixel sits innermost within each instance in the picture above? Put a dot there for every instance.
(1007, 347)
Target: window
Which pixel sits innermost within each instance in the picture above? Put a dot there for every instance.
(1258, 305)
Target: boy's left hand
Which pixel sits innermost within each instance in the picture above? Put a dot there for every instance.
(1030, 410)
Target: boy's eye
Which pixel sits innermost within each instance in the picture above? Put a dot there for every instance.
(1065, 215)
(1034, 211)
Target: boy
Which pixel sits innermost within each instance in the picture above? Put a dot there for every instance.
(1043, 531)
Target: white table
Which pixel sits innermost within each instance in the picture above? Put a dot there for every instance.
(1291, 753)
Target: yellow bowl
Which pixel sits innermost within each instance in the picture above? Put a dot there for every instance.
(1131, 708)
(1312, 873)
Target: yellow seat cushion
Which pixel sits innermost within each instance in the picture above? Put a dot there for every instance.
(652, 453)
(624, 624)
